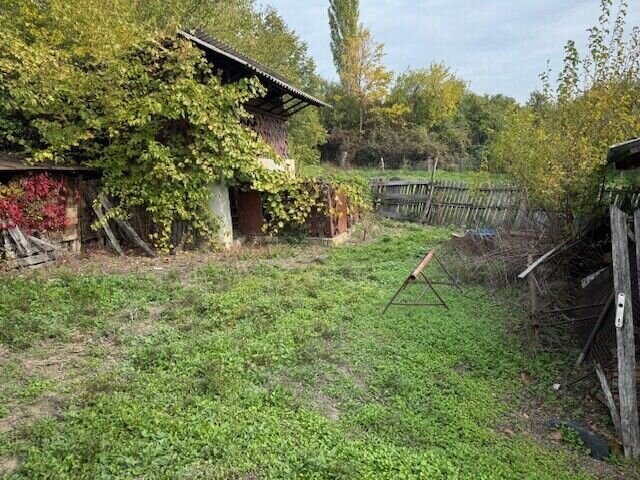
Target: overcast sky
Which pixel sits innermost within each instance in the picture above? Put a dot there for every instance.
(498, 46)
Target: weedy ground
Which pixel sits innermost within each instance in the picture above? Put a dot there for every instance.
(272, 362)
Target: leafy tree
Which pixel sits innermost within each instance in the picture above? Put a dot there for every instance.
(558, 152)
(432, 95)
(344, 16)
(483, 116)
(306, 135)
(363, 75)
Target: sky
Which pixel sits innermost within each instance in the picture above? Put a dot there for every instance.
(497, 46)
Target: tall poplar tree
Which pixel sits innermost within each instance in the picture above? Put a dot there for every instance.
(344, 24)
(364, 76)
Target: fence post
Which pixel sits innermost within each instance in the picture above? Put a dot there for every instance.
(427, 207)
(625, 334)
(533, 303)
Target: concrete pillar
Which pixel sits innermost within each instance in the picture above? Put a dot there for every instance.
(221, 207)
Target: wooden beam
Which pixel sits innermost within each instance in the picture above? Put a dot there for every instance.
(44, 245)
(602, 318)
(128, 229)
(107, 229)
(533, 304)
(24, 247)
(293, 110)
(427, 207)
(539, 261)
(625, 335)
(608, 396)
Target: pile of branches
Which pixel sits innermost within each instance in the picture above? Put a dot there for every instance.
(494, 259)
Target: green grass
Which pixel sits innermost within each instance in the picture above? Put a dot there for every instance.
(279, 372)
(406, 174)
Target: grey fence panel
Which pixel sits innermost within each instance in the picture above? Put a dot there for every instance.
(455, 203)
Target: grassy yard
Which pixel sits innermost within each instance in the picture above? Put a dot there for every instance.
(270, 362)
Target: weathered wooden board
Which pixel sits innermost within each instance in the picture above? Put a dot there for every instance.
(452, 203)
(625, 334)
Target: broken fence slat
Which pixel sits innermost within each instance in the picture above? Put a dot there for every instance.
(22, 244)
(44, 245)
(32, 261)
(611, 403)
(427, 207)
(9, 250)
(535, 264)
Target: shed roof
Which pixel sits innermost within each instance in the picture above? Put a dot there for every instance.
(11, 162)
(219, 49)
(625, 155)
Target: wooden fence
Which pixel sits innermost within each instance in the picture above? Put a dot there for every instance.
(455, 203)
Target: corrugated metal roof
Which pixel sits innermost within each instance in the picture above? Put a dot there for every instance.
(625, 155)
(208, 42)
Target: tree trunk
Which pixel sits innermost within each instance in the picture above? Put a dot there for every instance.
(344, 160)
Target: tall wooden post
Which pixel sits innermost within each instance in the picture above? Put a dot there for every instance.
(533, 303)
(427, 207)
(624, 334)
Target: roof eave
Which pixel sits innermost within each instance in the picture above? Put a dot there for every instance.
(289, 89)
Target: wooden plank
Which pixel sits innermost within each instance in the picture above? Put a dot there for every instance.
(128, 229)
(453, 203)
(44, 245)
(463, 212)
(22, 244)
(447, 207)
(611, 403)
(533, 304)
(403, 198)
(540, 260)
(422, 265)
(625, 335)
(8, 247)
(427, 206)
(27, 262)
(107, 229)
(400, 183)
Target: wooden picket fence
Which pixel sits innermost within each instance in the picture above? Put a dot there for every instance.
(455, 203)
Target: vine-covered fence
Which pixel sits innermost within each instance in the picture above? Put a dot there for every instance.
(455, 203)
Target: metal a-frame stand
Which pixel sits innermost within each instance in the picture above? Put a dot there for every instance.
(419, 277)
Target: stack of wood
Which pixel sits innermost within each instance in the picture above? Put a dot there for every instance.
(25, 251)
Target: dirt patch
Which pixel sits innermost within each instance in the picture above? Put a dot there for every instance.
(48, 405)
(100, 261)
(327, 405)
(346, 371)
(8, 465)
(532, 420)
(66, 365)
(144, 328)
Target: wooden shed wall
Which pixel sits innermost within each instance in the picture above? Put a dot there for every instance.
(272, 129)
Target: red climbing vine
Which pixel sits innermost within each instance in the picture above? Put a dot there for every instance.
(35, 202)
